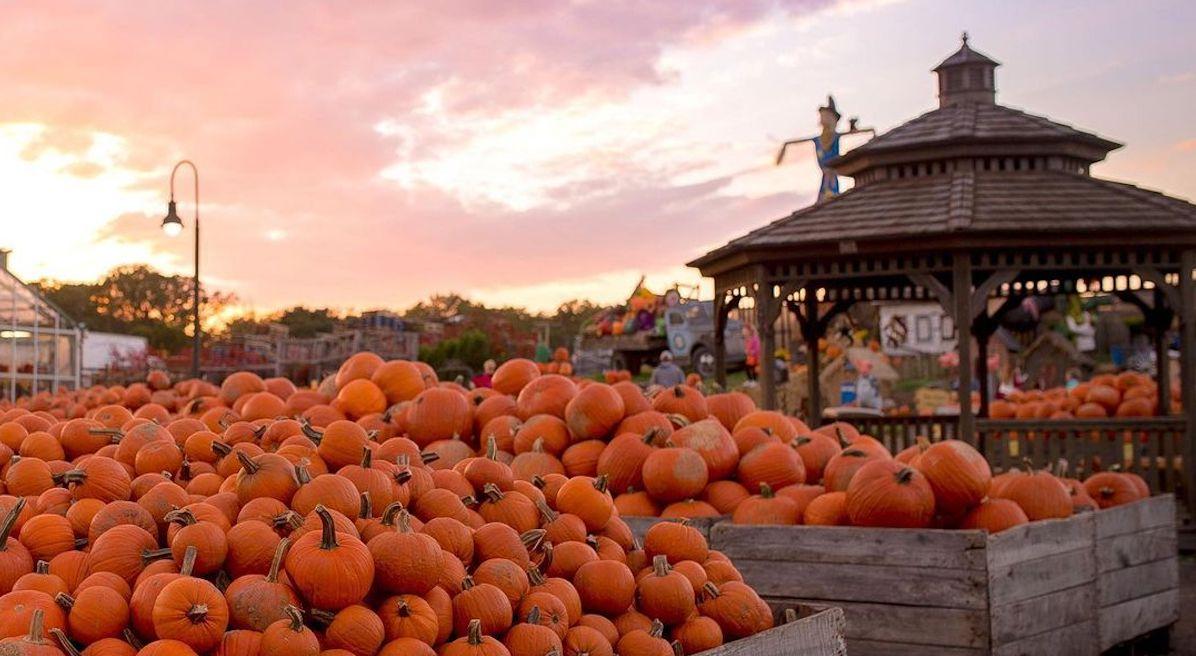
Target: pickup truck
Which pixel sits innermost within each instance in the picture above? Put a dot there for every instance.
(688, 335)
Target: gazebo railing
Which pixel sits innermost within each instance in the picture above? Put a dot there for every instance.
(1150, 446)
(897, 433)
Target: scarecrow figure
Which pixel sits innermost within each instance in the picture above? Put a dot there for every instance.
(826, 146)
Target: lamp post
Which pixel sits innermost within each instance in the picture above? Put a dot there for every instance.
(172, 225)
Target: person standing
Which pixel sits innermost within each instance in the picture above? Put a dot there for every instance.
(667, 373)
(751, 349)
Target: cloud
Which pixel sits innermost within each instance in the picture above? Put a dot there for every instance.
(369, 156)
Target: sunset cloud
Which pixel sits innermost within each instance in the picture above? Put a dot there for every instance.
(367, 155)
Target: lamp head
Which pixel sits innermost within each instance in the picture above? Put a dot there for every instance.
(172, 225)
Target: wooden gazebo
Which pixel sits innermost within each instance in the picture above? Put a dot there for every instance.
(966, 203)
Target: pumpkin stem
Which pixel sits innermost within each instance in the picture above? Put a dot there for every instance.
(226, 419)
(492, 449)
(65, 642)
(467, 582)
(288, 520)
(310, 432)
(469, 502)
(429, 457)
(475, 632)
(80, 543)
(327, 528)
(855, 453)
(37, 627)
(651, 434)
(601, 482)
(678, 420)
(185, 469)
(535, 576)
(905, 475)
(321, 617)
(710, 590)
(367, 457)
(493, 494)
(365, 508)
(403, 608)
(9, 521)
(1027, 465)
(42, 567)
(74, 476)
(533, 540)
(549, 514)
(539, 482)
(800, 440)
(276, 562)
(65, 601)
(197, 613)
(220, 448)
(790, 615)
(678, 650)
(533, 615)
(402, 476)
(247, 463)
(660, 565)
(302, 475)
(657, 629)
(181, 517)
(1106, 492)
(259, 432)
(132, 639)
(538, 445)
(296, 617)
(766, 491)
(151, 555)
(189, 558)
(115, 433)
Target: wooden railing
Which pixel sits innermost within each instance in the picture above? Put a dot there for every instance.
(898, 433)
(1151, 446)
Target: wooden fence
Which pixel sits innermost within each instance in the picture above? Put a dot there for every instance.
(1150, 446)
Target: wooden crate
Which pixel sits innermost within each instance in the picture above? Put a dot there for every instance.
(802, 630)
(640, 525)
(1137, 562)
(1028, 590)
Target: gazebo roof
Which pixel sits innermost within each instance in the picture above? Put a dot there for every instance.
(974, 124)
(969, 175)
(970, 203)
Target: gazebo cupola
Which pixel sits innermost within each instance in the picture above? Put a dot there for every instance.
(967, 77)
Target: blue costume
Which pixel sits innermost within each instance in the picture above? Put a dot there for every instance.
(830, 180)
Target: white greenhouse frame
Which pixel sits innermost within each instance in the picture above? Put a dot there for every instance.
(40, 346)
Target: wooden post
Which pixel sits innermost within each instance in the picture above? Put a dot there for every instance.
(720, 339)
(1187, 350)
(982, 338)
(961, 292)
(766, 317)
(811, 333)
(1163, 314)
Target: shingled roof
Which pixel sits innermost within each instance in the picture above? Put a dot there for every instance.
(973, 123)
(972, 202)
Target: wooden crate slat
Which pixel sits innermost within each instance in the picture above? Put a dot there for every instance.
(1135, 549)
(1043, 613)
(1157, 511)
(1072, 640)
(882, 648)
(1130, 619)
(1026, 580)
(923, 586)
(849, 545)
(1137, 581)
(916, 626)
(820, 634)
(1038, 539)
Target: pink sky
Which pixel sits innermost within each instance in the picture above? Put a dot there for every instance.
(362, 155)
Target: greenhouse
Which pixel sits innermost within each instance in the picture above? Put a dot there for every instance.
(39, 344)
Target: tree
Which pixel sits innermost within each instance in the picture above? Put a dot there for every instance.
(308, 323)
(136, 300)
(472, 349)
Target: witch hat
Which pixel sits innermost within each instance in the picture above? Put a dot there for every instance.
(830, 106)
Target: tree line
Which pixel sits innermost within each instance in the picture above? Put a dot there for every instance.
(139, 300)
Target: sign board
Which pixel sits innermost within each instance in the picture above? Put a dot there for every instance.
(929, 399)
(916, 329)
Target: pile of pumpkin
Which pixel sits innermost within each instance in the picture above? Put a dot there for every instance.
(1127, 394)
(254, 519)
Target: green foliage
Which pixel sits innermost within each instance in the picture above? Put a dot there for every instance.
(136, 300)
(308, 323)
(472, 349)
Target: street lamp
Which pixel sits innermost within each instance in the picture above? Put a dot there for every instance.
(172, 225)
